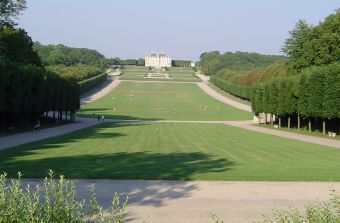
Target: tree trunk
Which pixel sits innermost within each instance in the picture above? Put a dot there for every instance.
(61, 115)
(299, 123)
(65, 115)
(324, 127)
(271, 119)
(289, 122)
(53, 114)
(309, 125)
(279, 121)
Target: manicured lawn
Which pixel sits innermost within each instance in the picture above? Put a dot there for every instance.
(174, 151)
(171, 101)
(178, 74)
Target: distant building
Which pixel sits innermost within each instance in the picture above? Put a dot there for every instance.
(157, 60)
(192, 64)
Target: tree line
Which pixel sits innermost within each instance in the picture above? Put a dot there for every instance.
(311, 91)
(27, 89)
(212, 62)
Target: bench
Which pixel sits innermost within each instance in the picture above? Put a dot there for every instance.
(332, 134)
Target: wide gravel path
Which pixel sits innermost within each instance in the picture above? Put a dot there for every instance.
(193, 201)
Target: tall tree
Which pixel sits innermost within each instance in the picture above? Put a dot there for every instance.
(10, 9)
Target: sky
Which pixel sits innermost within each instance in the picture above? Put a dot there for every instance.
(182, 28)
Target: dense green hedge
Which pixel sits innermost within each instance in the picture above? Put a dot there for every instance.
(29, 90)
(87, 84)
(234, 89)
(313, 94)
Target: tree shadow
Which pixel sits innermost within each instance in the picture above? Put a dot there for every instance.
(118, 165)
(147, 178)
(95, 112)
(122, 165)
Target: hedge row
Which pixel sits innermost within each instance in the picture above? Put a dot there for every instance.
(30, 90)
(234, 89)
(312, 94)
(90, 83)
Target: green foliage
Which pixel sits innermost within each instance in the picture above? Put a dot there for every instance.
(16, 46)
(141, 62)
(212, 62)
(181, 63)
(234, 89)
(319, 91)
(10, 9)
(320, 212)
(54, 201)
(40, 91)
(313, 93)
(129, 62)
(78, 72)
(68, 56)
(87, 84)
(314, 45)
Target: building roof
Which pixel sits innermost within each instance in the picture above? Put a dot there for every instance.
(154, 54)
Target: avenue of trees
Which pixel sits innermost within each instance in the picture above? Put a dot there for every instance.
(85, 66)
(212, 62)
(27, 89)
(310, 92)
(237, 72)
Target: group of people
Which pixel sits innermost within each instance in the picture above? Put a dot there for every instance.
(99, 118)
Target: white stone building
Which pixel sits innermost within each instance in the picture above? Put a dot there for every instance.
(157, 60)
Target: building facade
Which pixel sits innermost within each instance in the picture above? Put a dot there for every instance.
(157, 60)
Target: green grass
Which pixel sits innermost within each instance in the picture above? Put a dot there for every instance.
(178, 74)
(170, 101)
(175, 151)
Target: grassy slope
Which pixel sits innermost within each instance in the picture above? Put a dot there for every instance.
(176, 151)
(162, 101)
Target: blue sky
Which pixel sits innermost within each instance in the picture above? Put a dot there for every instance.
(182, 28)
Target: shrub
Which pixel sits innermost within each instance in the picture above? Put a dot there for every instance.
(320, 212)
(54, 201)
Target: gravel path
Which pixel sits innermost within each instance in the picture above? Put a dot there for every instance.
(193, 201)
(214, 94)
(114, 83)
(290, 135)
(27, 137)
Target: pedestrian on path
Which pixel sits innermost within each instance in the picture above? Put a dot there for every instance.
(36, 127)
(103, 118)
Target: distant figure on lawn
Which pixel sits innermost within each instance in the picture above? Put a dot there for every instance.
(103, 118)
(36, 127)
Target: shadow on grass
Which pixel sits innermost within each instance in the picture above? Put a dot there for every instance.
(119, 165)
(95, 112)
(127, 165)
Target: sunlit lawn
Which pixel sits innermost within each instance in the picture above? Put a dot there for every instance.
(173, 151)
(170, 101)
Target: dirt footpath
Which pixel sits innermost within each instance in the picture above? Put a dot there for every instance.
(193, 201)
(214, 94)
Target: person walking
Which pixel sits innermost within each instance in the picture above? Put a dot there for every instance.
(103, 118)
